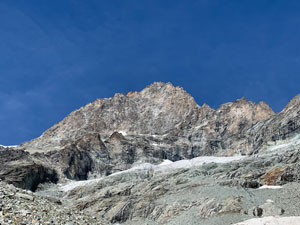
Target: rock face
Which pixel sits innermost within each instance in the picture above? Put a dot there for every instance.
(284, 125)
(114, 140)
(18, 168)
(23, 207)
(160, 122)
(205, 194)
(155, 110)
(159, 110)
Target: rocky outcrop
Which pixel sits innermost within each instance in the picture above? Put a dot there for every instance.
(18, 207)
(224, 132)
(213, 207)
(17, 167)
(78, 159)
(282, 126)
(267, 209)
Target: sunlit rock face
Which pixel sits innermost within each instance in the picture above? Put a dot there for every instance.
(160, 122)
(155, 110)
(160, 110)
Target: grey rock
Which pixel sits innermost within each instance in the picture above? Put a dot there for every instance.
(270, 209)
(119, 213)
(70, 223)
(267, 209)
(17, 167)
(25, 196)
(213, 207)
(160, 122)
(256, 211)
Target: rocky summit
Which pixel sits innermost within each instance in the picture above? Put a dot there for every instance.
(157, 157)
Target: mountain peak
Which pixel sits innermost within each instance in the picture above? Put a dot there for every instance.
(159, 84)
(294, 102)
(157, 109)
(161, 87)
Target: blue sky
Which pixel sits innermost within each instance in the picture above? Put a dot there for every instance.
(58, 55)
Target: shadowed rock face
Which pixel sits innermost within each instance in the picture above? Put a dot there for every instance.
(18, 168)
(160, 122)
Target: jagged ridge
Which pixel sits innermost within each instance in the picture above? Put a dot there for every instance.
(160, 122)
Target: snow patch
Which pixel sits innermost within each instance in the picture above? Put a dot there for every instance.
(165, 166)
(166, 162)
(272, 220)
(124, 133)
(9, 146)
(168, 165)
(139, 168)
(185, 164)
(157, 144)
(74, 184)
(269, 187)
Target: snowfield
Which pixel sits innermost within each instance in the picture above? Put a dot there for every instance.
(165, 166)
(168, 165)
(272, 220)
(185, 164)
(74, 184)
(9, 146)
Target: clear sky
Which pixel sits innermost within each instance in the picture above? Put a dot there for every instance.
(58, 55)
